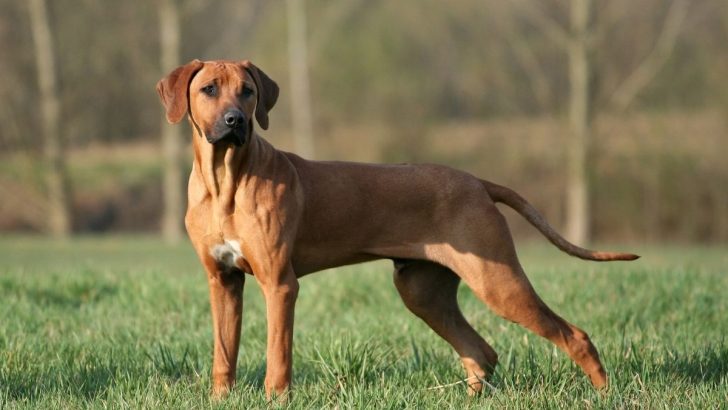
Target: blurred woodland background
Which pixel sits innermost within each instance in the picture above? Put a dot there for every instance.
(611, 116)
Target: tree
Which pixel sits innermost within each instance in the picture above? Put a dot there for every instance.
(55, 170)
(169, 40)
(302, 118)
(578, 42)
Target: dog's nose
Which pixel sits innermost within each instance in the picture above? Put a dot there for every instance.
(234, 118)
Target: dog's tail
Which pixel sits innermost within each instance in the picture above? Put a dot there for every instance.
(511, 198)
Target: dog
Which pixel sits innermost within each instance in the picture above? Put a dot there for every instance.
(253, 209)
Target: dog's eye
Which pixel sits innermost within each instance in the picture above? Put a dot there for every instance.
(209, 90)
(247, 92)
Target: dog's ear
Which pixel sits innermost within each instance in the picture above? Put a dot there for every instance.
(173, 90)
(267, 92)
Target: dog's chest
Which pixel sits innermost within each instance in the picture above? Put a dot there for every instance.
(229, 254)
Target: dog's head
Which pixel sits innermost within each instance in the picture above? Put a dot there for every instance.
(222, 97)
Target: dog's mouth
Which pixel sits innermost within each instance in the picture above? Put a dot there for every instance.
(237, 136)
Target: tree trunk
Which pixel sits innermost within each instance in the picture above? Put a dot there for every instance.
(169, 41)
(302, 120)
(56, 180)
(577, 200)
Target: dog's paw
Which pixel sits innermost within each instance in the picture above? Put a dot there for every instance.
(281, 395)
(220, 390)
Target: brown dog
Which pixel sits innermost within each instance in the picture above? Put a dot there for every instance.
(276, 216)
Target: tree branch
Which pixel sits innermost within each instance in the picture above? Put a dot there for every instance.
(334, 16)
(550, 28)
(626, 92)
(527, 59)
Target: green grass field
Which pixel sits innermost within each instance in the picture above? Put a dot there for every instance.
(125, 323)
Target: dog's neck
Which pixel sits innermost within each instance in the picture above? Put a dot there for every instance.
(222, 167)
(233, 175)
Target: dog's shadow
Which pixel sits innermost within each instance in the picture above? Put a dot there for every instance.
(87, 381)
(71, 296)
(90, 378)
(89, 375)
(253, 376)
(709, 365)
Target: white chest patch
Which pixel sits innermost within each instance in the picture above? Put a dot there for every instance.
(227, 253)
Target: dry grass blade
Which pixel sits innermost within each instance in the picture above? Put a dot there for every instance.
(445, 386)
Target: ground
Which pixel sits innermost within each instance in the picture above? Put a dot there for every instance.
(124, 322)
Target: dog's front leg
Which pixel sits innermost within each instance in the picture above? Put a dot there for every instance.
(226, 300)
(280, 291)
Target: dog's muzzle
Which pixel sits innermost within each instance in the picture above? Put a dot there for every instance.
(231, 127)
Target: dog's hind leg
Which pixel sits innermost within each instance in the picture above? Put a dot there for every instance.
(491, 269)
(429, 291)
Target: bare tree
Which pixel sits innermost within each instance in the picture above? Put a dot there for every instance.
(302, 117)
(55, 171)
(169, 40)
(578, 42)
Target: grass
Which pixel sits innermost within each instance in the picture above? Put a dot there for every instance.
(125, 323)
